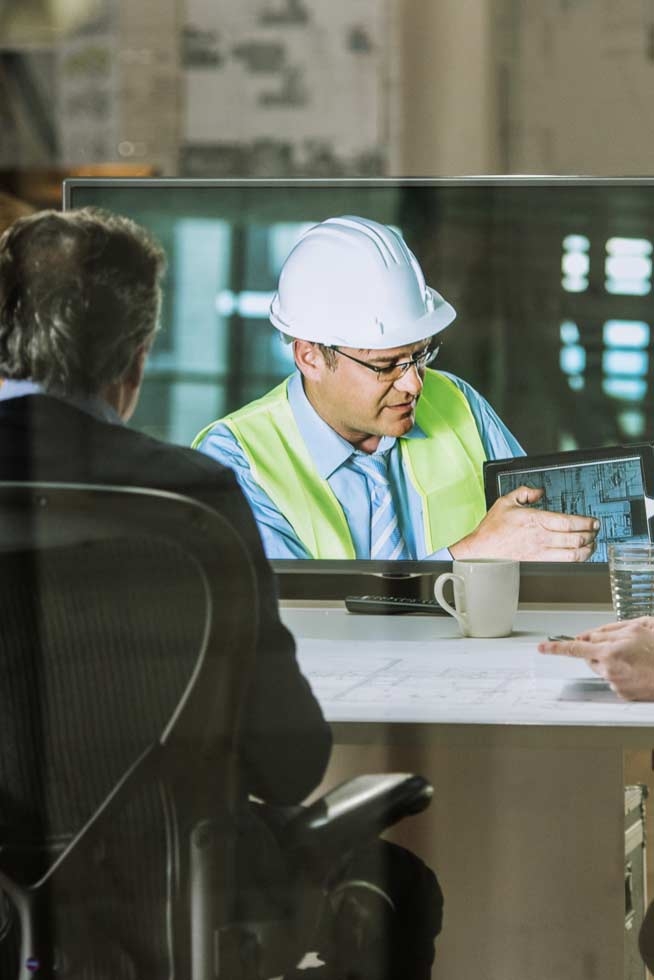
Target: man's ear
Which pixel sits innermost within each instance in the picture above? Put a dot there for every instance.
(123, 394)
(134, 374)
(129, 387)
(309, 359)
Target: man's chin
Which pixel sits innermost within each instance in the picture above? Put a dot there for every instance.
(400, 426)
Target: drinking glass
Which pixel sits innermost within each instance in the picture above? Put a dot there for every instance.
(631, 570)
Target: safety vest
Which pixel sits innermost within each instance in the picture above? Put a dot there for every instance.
(445, 468)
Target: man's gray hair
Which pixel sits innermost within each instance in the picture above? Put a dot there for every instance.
(79, 294)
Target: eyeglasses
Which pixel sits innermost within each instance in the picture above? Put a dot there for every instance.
(393, 372)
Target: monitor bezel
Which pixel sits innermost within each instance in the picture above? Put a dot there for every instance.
(540, 581)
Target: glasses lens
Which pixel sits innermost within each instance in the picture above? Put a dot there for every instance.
(396, 371)
(390, 373)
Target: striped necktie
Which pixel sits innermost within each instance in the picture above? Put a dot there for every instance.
(386, 540)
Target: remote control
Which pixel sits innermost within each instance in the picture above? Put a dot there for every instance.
(388, 605)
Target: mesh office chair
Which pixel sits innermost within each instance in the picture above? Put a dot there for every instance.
(126, 641)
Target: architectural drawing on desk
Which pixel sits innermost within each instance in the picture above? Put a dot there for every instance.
(611, 490)
(387, 678)
(372, 681)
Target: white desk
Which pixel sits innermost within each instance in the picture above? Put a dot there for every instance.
(526, 829)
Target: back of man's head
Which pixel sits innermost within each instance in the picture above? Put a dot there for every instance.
(79, 295)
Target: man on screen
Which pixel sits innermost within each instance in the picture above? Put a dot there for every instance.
(365, 452)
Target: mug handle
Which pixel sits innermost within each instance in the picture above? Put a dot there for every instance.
(438, 592)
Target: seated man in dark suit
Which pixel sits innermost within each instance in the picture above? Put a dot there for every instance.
(79, 306)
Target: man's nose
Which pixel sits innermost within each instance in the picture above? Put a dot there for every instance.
(411, 381)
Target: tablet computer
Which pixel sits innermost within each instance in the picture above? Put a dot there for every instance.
(614, 484)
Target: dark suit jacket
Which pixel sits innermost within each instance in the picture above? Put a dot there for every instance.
(285, 742)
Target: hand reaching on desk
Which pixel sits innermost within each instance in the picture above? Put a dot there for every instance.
(513, 529)
(622, 653)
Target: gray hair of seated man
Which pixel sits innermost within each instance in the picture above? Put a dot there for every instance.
(80, 292)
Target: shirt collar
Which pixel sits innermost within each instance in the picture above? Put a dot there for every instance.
(327, 449)
(92, 404)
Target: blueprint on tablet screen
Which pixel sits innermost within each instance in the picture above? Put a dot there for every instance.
(611, 490)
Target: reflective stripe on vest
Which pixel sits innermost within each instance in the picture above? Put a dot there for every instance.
(445, 468)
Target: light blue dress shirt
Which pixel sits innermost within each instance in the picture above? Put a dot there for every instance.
(331, 455)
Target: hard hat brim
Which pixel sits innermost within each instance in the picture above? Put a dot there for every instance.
(438, 318)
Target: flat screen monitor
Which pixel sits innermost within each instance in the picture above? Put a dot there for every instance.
(550, 277)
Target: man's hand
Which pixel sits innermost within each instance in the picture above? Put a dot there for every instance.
(512, 529)
(622, 653)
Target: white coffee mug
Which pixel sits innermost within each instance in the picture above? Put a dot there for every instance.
(485, 595)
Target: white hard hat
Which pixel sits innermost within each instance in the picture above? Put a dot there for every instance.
(353, 282)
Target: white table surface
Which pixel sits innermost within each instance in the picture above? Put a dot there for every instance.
(420, 669)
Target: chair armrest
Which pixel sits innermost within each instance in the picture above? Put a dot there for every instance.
(354, 812)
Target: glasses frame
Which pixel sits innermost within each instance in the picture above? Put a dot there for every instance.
(393, 372)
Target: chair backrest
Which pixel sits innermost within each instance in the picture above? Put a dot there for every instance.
(127, 627)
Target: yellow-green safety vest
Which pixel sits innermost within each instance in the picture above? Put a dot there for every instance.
(445, 468)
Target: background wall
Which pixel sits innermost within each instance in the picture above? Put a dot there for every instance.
(422, 87)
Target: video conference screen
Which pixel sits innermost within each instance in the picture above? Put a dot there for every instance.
(550, 280)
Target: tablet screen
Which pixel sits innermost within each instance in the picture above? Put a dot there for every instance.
(610, 489)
